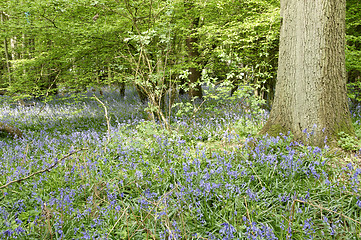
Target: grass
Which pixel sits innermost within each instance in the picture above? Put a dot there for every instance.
(209, 179)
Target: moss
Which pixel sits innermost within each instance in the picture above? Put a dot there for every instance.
(346, 127)
(274, 130)
(343, 127)
(332, 133)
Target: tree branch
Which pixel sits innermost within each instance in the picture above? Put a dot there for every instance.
(56, 162)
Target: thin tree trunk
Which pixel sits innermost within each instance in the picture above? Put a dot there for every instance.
(8, 67)
(311, 82)
(121, 86)
(195, 89)
(7, 59)
(13, 46)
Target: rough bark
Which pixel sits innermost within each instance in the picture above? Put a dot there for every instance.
(311, 81)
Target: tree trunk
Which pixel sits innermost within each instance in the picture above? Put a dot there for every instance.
(311, 81)
(7, 58)
(195, 89)
(141, 93)
(121, 86)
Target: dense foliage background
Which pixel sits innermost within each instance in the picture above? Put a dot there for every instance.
(62, 44)
(49, 45)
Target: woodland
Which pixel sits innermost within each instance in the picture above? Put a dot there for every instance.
(180, 119)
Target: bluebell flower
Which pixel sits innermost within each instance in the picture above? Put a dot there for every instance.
(358, 203)
(227, 231)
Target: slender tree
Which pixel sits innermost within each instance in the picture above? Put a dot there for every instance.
(311, 81)
(195, 89)
(3, 15)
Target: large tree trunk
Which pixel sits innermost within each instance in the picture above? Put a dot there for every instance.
(311, 82)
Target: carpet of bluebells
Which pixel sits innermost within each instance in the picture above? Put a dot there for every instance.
(210, 178)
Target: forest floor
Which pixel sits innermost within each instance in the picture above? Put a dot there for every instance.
(73, 176)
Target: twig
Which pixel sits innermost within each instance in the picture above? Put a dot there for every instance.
(108, 120)
(150, 232)
(166, 223)
(25, 154)
(159, 201)
(249, 218)
(326, 209)
(183, 230)
(117, 222)
(291, 217)
(44, 170)
(97, 195)
(197, 108)
(126, 222)
(47, 214)
(257, 176)
(245, 201)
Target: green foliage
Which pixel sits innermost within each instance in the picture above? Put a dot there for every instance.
(247, 128)
(241, 42)
(61, 44)
(353, 50)
(348, 143)
(57, 44)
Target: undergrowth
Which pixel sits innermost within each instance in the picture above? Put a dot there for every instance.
(210, 178)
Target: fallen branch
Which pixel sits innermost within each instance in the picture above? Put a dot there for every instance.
(13, 131)
(117, 221)
(44, 170)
